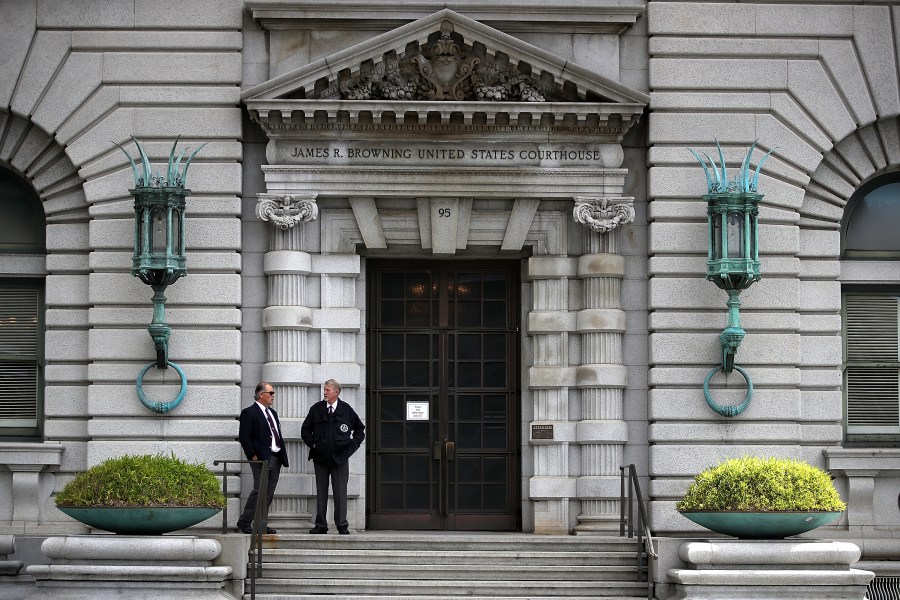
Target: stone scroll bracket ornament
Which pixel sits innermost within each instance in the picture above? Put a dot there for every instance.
(286, 211)
(603, 214)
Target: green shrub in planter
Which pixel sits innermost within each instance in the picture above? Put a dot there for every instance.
(143, 481)
(762, 484)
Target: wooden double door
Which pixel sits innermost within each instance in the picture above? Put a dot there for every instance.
(443, 396)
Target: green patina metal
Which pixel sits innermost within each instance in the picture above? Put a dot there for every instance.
(775, 525)
(732, 253)
(159, 248)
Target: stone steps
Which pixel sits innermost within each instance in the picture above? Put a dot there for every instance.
(416, 566)
(313, 556)
(431, 597)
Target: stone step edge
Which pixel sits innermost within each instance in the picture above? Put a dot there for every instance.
(487, 584)
(265, 596)
(573, 569)
(276, 596)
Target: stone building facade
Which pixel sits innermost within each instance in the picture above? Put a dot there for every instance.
(483, 220)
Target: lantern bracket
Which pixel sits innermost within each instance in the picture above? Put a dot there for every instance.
(159, 258)
(732, 336)
(733, 252)
(159, 329)
(161, 407)
(728, 410)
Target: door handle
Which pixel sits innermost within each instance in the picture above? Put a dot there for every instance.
(444, 450)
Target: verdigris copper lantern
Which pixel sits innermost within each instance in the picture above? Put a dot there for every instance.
(732, 263)
(159, 250)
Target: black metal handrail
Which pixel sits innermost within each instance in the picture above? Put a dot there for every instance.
(626, 519)
(260, 516)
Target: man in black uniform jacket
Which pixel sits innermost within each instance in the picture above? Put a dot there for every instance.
(333, 432)
(260, 437)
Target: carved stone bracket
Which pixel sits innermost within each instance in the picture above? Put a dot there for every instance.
(286, 211)
(603, 214)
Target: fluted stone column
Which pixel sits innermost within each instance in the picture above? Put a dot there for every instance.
(287, 320)
(602, 431)
(551, 486)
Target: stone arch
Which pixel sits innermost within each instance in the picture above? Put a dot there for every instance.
(32, 153)
(29, 151)
(866, 153)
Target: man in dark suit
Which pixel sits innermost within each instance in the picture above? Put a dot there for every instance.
(260, 437)
(333, 432)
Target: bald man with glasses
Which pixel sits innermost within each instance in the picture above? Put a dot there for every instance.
(260, 438)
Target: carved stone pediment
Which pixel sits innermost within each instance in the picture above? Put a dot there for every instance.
(444, 66)
(445, 69)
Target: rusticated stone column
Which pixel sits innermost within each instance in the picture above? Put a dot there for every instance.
(287, 320)
(602, 376)
(551, 486)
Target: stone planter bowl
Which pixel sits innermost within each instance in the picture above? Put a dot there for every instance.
(139, 520)
(761, 525)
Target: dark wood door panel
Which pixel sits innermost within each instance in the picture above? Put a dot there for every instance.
(443, 452)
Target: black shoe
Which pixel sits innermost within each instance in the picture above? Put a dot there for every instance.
(244, 528)
(269, 530)
(318, 530)
(344, 531)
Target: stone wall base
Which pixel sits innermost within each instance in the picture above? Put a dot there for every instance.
(104, 567)
(770, 570)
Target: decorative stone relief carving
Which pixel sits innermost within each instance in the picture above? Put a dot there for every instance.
(286, 211)
(445, 70)
(603, 214)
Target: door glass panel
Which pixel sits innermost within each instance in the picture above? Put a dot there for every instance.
(392, 435)
(494, 374)
(468, 435)
(392, 313)
(391, 374)
(494, 314)
(417, 373)
(418, 314)
(417, 469)
(494, 497)
(494, 436)
(417, 435)
(494, 346)
(468, 314)
(416, 345)
(391, 467)
(392, 285)
(469, 346)
(417, 496)
(495, 286)
(391, 407)
(469, 375)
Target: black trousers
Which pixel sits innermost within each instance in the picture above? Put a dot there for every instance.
(256, 469)
(338, 476)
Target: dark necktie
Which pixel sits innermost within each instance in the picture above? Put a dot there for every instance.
(274, 430)
(330, 410)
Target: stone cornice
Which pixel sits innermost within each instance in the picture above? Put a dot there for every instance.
(284, 118)
(343, 181)
(574, 16)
